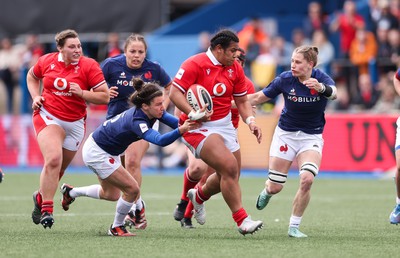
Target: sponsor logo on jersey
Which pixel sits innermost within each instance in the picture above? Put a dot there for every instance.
(179, 74)
(124, 83)
(292, 91)
(61, 84)
(122, 75)
(52, 66)
(76, 69)
(143, 127)
(208, 71)
(219, 89)
(304, 99)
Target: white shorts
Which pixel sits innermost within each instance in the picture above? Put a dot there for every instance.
(194, 139)
(99, 161)
(397, 144)
(74, 131)
(287, 145)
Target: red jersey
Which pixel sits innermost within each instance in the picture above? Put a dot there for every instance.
(235, 111)
(222, 82)
(56, 78)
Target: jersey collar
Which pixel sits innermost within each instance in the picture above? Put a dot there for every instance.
(60, 59)
(212, 57)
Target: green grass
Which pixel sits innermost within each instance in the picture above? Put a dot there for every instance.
(345, 218)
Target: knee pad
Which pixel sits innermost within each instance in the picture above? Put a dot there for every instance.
(309, 167)
(277, 177)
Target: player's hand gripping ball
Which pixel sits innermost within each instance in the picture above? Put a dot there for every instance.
(197, 96)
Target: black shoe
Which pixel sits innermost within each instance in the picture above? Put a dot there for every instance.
(179, 211)
(36, 213)
(187, 223)
(47, 220)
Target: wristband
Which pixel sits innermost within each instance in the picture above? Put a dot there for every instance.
(323, 88)
(196, 115)
(250, 119)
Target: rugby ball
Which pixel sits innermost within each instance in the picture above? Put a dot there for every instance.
(197, 96)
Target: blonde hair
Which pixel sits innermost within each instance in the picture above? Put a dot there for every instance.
(310, 53)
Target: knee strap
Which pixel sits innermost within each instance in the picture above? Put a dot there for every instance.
(309, 167)
(277, 177)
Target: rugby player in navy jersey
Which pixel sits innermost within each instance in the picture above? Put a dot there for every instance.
(298, 135)
(101, 151)
(118, 72)
(395, 214)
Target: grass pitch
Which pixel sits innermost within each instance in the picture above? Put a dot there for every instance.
(345, 218)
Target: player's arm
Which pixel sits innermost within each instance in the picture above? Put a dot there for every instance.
(246, 112)
(169, 120)
(34, 89)
(155, 137)
(99, 95)
(257, 98)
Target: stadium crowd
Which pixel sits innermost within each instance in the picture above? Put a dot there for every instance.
(360, 49)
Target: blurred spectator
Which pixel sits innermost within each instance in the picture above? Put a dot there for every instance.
(368, 95)
(282, 51)
(253, 50)
(374, 14)
(204, 41)
(387, 19)
(34, 49)
(326, 50)
(263, 68)
(389, 101)
(315, 20)
(346, 24)
(252, 33)
(111, 48)
(10, 64)
(394, 45)
(299, 38)
(395, 8)
(363, 50)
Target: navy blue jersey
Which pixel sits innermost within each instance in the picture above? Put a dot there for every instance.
(304, 109)
(117, 73)
(117, 133)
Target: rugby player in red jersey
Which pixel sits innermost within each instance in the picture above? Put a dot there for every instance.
(59, 111)
(215, 141)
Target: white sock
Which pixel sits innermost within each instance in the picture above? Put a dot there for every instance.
(92, 191)
(139, 204)
(122, 210)
(294, 221)
(397, 200)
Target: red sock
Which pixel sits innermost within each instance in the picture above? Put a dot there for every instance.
(47, 206)
(239, 216)
(188, 183)
(39, 199)
(188, 211)
(200, 196)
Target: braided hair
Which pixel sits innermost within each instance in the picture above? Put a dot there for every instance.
(144, 92)
(224, 38)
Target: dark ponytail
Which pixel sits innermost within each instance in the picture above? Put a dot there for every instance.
(144, 92)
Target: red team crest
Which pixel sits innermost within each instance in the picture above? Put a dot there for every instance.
(148, 75)
(284, 148)
(111, 160)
